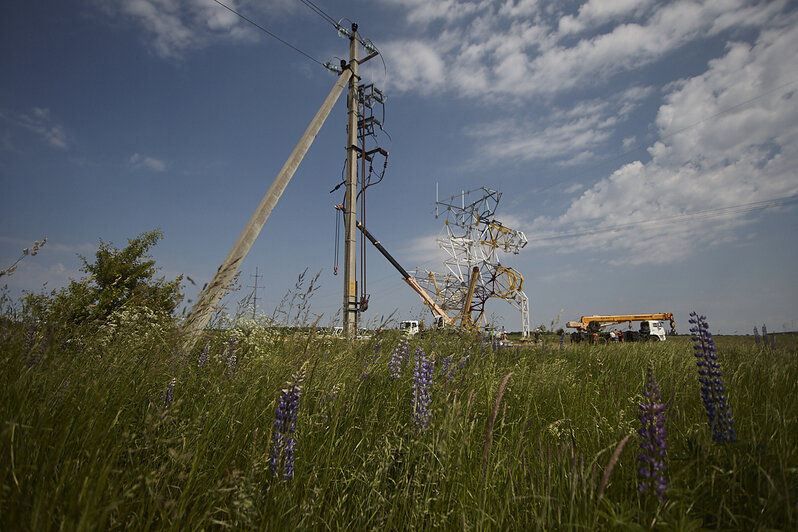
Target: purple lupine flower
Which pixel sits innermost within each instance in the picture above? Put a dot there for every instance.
(422, 394)
(562, 341)
(203, 358)
(654, 446)
(30, 339)
(169, 394)
(713, 392)
(446, 368)
(232, 365)
(756, 336)
(398, 359)
(764, 335)
(283, 441)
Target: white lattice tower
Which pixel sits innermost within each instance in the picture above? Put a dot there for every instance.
(473, 238)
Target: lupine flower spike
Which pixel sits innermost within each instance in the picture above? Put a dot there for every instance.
(446, 368)
(203, 358)
(709, 375)
(283, 440)
(756, 336)
(169, 394)
(654, 446)
(422, 394)
(397, 359)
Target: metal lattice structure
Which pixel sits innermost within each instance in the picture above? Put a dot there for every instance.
(473, 239)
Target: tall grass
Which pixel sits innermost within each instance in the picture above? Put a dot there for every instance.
(518, 439)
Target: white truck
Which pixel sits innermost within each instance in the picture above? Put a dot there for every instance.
(410, 327)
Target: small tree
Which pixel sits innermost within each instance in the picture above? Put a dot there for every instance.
(118, 278)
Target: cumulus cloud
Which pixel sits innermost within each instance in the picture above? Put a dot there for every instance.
(174, 27)
(428, 11)
(727, 137)
(566, 135)
(521, 49)
(597, 12)
(416, 65)
(140, 161)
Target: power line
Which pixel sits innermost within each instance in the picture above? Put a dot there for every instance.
(267, 32)
(697, 215)
(319, 11)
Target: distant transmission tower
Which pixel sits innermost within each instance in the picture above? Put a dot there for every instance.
(255, 292)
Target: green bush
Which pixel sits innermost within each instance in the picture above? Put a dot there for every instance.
(119, 283)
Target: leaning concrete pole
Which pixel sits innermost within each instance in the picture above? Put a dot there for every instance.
(209, 299)
(350, 243)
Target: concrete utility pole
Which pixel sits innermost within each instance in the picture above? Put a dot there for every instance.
(350, 308)
(213, 293)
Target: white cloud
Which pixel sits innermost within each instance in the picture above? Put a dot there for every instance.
(41, 122)
(427, 11)
(421, 248)
(141, 161)
(517, 49)
(597, 12)
(416, 65)
(174, 27)
(726, 137)
(566, 135)
(576, 187)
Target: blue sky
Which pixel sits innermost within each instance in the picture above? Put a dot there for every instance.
(647, 149)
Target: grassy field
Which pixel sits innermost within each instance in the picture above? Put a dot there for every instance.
(123, 430)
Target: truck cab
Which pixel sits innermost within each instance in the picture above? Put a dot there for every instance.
(656, 330)
(410, 327)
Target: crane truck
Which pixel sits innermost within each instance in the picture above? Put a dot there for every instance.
(592, 328)
(442, 319)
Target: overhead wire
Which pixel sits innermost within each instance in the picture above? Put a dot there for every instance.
(269, 33)
(319, 11)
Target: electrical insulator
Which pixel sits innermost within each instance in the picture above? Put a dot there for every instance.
(343, 32)
(332, 67)
(369, 46)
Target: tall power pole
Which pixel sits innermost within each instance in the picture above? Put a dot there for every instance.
(209, 298)
(350, 308)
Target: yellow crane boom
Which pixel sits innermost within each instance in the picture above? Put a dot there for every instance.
(434, 307)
